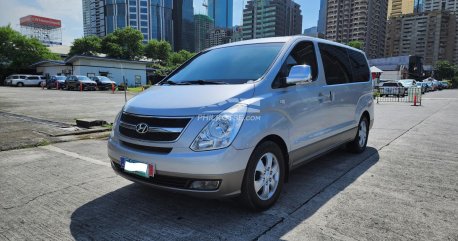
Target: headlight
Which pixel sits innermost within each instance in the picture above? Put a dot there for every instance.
(115, 124)
(221, 130)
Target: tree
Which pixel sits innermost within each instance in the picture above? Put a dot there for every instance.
(356, 44)
(123, 43)
(18, 52)
(180, 57)
(158, 50)
(444, 70)
(90, 45)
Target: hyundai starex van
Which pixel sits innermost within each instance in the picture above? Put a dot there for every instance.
(237, 118)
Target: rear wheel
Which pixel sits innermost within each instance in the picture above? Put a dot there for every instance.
(358, 145)
(264, 176)
(20, 84)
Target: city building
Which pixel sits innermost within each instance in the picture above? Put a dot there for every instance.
(321, 28)
(271, 18)
(363, 21)
(419, 6)
(400, 7)
(221, 11)
(172, 21)
(218, 36)
(445, 5)
(183, 25)
(94, 17)
(430, 35)
(46, 30)
(202, 25)
(311, 31)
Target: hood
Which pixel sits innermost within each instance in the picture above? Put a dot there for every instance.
(87, 81)
(188, 100)
(107, 82)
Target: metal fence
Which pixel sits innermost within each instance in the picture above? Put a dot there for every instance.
(398, 94)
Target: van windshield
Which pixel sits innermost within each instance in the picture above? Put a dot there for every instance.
(229, 65)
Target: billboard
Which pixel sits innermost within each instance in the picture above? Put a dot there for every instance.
(37, 21)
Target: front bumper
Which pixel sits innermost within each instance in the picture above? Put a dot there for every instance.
(177, 169)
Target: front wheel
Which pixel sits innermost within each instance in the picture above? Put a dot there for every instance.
(358, 145)
(264, 177)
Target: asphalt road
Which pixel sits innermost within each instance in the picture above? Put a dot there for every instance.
(404, 187)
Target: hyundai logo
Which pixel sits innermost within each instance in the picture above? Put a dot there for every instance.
(142, 128)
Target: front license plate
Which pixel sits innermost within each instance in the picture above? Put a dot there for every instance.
(137, 167)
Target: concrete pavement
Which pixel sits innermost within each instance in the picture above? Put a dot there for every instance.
(403, 187)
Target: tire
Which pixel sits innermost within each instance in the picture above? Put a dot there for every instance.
(358, 145)
(264, 197)
(20, 84)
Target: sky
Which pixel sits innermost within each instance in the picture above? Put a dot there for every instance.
(71, 13)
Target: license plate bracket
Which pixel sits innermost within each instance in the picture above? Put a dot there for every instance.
(137, 167)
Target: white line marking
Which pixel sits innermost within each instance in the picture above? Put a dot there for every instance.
(75, 155)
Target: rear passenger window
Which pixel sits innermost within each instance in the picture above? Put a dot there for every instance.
(359, 66)
(337, 68)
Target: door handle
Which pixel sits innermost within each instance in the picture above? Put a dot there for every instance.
(331, 97)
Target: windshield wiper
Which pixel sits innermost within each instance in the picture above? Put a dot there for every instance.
(205, 82)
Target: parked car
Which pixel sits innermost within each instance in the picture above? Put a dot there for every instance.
(444, 84)
(14, 79)
(392, 88)
(56, 81)
(74, 82)
(221, 128)
(408, 83)
(433, 84)
(103, 83)
(424, 87)
(30, 80)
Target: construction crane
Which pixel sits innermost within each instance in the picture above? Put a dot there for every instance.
(205, 5)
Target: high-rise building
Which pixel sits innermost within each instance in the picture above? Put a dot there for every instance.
(419, 6)
(430, 35)
(222, 12)
(202, 26)
(183, 25)
(364, 21)
(271, 18)
(321, 28)
(94, 17)
(168, 20)
(399, 7)
(445, 5)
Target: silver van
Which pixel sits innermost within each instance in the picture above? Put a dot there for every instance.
(236, 119)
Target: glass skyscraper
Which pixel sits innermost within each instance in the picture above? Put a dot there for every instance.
(221, 11)
(183, 25)
(321, 28)
(152, 17)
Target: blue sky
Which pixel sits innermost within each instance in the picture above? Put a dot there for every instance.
(70, 12)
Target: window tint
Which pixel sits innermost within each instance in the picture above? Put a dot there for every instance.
(303, 53)
(337, 68)
(233, 65)
(359, 66)
(32, 77)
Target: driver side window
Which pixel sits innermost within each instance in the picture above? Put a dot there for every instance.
(303, 53)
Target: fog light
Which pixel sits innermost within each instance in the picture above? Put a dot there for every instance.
(204, 185)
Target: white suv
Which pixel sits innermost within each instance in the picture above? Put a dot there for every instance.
(29, 80)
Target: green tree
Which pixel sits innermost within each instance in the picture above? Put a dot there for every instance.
(90, 45)
(444, 70)
(180, 57)
(18, 52)
(123, 43)
(356, 44)
(158, 50)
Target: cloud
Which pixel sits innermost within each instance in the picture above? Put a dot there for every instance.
(69, 11)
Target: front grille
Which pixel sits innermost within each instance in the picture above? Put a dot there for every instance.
(159, 129)
(152, 149)
(161, 180)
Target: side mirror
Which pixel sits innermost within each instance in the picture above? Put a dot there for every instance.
(299, 74)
